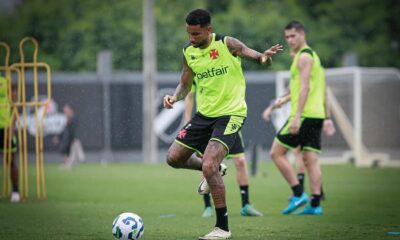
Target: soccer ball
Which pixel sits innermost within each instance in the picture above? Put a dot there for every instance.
(128, 226)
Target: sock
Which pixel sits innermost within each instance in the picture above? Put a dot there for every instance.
(300, 177)
(15, 188)
(222, 218)
(207, 200)
(297, 190)
(322, 193)
(244, 192)
(315, 200)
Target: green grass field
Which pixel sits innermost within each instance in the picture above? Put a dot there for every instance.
(82, 203)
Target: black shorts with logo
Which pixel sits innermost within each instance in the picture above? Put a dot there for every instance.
(13, 142)
(238, 146)
(200, 130)
(309, 137)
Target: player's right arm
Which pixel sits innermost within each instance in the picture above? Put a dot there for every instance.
(189, 103)
(304, 64)
(183, 88)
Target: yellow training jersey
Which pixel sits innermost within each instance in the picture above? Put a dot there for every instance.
(5, 110)
(220, 84)
(315, 104)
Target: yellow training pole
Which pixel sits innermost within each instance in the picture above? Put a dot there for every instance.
(18, 104)
(8, 150)
(36, 93)
(39, 118)
(22, 173)
(22, 145)
(6, 169)
(24, 133)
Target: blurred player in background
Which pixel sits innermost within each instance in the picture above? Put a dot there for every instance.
(238, 156)
(303, 127)
(6, 122)
(213, 61)
(69, 145)
(328, 129)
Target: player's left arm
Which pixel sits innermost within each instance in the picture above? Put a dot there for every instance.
(304, 64)
(237, 48)
(328, 128)
(280, 101)
(275, 104)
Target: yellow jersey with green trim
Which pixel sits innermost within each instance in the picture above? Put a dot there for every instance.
(219, 80)
(5, 110)
(315, 104)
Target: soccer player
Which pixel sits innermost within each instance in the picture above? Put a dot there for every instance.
(6, 122)
(328, 128)
(213, 62)
(238, 157)
(70, 146)
(303, 128)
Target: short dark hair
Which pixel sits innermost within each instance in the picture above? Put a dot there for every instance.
(198, 16)
(298, 26)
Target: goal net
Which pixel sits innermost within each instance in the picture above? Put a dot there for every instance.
(365, 105)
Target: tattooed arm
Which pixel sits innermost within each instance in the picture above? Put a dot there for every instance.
(183, 87)
(237, 48)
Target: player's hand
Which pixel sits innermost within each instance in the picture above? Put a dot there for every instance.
(294, 127)
(329, 128)
(270, 52)
(169, 101)
(278, 102)
(267, 113)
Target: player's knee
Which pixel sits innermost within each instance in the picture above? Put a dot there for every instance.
(240, 162)
(274, 154)
(310, 158)
(209, 169)
(172, 160)
(305, 163)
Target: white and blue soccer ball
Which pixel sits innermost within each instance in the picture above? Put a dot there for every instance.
(128, 226)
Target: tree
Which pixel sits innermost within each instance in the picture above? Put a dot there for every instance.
(72, 32)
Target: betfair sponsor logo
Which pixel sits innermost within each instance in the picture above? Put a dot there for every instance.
(212, 72)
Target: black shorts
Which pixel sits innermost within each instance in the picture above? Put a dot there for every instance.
(65, 148)
(200, 130)
(13, 142)
(309, 137)
(238, 146)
